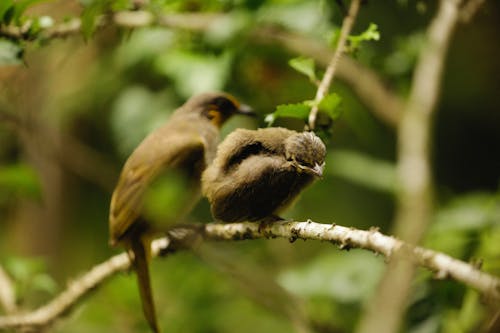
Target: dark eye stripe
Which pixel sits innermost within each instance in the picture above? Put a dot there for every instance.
(224, 104)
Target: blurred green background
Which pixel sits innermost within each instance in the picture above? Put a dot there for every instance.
(74, 109)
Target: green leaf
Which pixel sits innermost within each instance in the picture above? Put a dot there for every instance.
(298, 110)
(21, 268)
(330, 105)
(21, 6)
(5, 6)
(305, 66)
(91, 14)
(44, 282)
(117, 5)
(30, 275)
(10, 53)
(369, 34)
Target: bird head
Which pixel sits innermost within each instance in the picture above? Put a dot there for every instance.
(306, 153)
(217, 107)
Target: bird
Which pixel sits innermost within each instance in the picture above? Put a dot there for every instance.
(174, 154)
(257, 174)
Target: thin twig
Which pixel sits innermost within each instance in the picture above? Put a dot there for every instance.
(330, 70)
(124, 19)
(345, 237)
(371, 89)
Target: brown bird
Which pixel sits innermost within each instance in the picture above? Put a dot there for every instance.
(174, 154)
(257, 174)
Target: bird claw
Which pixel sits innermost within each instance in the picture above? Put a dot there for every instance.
(267, 222)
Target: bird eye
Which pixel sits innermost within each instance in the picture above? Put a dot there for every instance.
(224, 103)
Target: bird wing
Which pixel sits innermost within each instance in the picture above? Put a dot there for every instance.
(243, 143)
(238, 145)
(243, 152)
(152, 157)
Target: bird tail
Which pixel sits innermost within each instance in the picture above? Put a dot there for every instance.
(141, 267)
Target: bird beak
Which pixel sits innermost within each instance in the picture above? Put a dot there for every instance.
(245, 109)
(318, 169)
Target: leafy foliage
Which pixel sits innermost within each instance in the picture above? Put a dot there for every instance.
(91, 14)
(330, 104)
(371, 33)
(298, 110)
(6, 9)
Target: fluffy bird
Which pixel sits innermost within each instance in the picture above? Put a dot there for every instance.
(177, 151)
(256, 174)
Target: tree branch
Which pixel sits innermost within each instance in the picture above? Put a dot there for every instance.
(371, 90)
(415, 194)
(330, 70)
(124, 19)
(442, 264)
